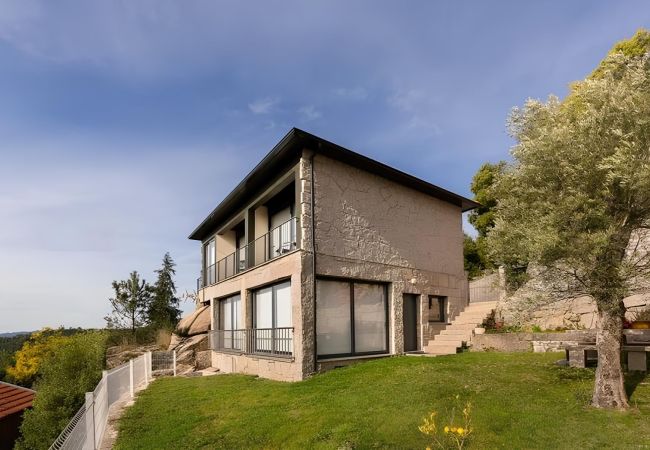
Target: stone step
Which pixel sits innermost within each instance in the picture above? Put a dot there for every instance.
(474, 322)
(454, 332)
(462, 326)
(441, 349)
(469, 318)
(450, 338)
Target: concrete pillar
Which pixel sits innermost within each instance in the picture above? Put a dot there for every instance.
(89, 443)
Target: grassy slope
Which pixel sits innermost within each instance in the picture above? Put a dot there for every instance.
(519, 401)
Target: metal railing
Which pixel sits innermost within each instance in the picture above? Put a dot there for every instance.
(478, 294)
(86, 428)
(277, 242)
(254, 341)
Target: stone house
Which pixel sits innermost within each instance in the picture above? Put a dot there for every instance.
(321, 257)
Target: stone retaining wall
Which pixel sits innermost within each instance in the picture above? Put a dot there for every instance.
(526, 342)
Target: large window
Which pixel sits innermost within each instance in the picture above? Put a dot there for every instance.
(351, 318)
(272, 319)
(209, 260)
(229, 316)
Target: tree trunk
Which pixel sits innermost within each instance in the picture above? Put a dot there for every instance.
(609, 389)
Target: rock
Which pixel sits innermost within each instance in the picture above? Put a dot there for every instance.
(196, 323)
(121, 354)
(187, 350)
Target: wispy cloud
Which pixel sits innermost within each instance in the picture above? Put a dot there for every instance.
(357, 93)
(263, 105)
(420, 109)
(309, 113)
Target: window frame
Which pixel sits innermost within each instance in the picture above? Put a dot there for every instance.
(273, 303)
(354, 353)
(442, 305)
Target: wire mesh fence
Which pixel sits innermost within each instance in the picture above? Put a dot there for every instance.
(87, 426)
(163, 362)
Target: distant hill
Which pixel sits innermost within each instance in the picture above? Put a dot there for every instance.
(14, 334)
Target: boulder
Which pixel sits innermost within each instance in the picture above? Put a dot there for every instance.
(196, 323)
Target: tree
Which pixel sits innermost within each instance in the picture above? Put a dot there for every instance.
(74, 367)
(40, 345)
(475, 250)
(163, 309)
(130, 303)
(576, 200)
(483, 182)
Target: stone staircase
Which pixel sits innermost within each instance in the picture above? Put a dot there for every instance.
(460, 331)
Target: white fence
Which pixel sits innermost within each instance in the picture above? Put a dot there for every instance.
(86, 429)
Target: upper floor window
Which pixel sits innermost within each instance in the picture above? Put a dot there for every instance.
(209, 261)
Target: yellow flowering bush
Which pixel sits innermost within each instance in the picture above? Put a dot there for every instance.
(457, 431)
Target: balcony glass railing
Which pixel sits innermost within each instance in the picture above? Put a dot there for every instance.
(277, 242)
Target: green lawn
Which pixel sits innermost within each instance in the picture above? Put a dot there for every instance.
(519, 401)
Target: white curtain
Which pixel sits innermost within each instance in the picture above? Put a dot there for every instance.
(333, 331)
(369, 318)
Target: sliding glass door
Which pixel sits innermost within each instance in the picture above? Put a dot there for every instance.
(272, 319)
(230, 312)
(351, 318)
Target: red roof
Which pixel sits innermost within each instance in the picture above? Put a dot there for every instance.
(14, 398)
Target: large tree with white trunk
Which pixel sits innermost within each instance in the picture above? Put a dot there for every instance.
(576, 198)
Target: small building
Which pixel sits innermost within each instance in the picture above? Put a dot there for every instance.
(14, 400)
(322, 256)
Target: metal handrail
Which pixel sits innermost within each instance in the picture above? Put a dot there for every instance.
(254, 341)
(276, 242)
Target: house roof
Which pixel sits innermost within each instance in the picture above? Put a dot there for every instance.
(288, 151)
(14, 398)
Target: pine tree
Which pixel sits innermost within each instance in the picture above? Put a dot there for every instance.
(130, 303)
(163, 311)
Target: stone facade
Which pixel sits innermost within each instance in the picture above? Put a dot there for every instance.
(370, 228)
(367, 228)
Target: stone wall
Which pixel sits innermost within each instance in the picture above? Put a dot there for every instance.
(532, 306)
(527, 308)
(525, 342)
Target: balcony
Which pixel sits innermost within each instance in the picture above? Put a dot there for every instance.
(277, 342)
(277, 242)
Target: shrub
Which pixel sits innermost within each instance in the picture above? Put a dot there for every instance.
(40, 345)
(74, 368)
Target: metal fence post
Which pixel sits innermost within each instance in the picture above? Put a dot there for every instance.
(89, 442)
(149, 365)
(174, 362)
(131, 377)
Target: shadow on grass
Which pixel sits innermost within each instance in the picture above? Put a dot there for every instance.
(632, 380)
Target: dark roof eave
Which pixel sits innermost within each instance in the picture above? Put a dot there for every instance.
(290, 146)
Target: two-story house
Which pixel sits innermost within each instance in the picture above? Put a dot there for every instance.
(322, 256)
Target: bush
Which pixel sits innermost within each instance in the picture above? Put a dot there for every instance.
(40, 345)
(74, 368)
(142, 335)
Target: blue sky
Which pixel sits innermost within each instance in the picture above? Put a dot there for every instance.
(122, 124)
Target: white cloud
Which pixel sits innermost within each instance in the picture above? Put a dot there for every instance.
(408, 100)
(263, 105)
(357, 93)
(309, 113)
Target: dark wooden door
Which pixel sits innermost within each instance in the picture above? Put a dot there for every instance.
(410, 316)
